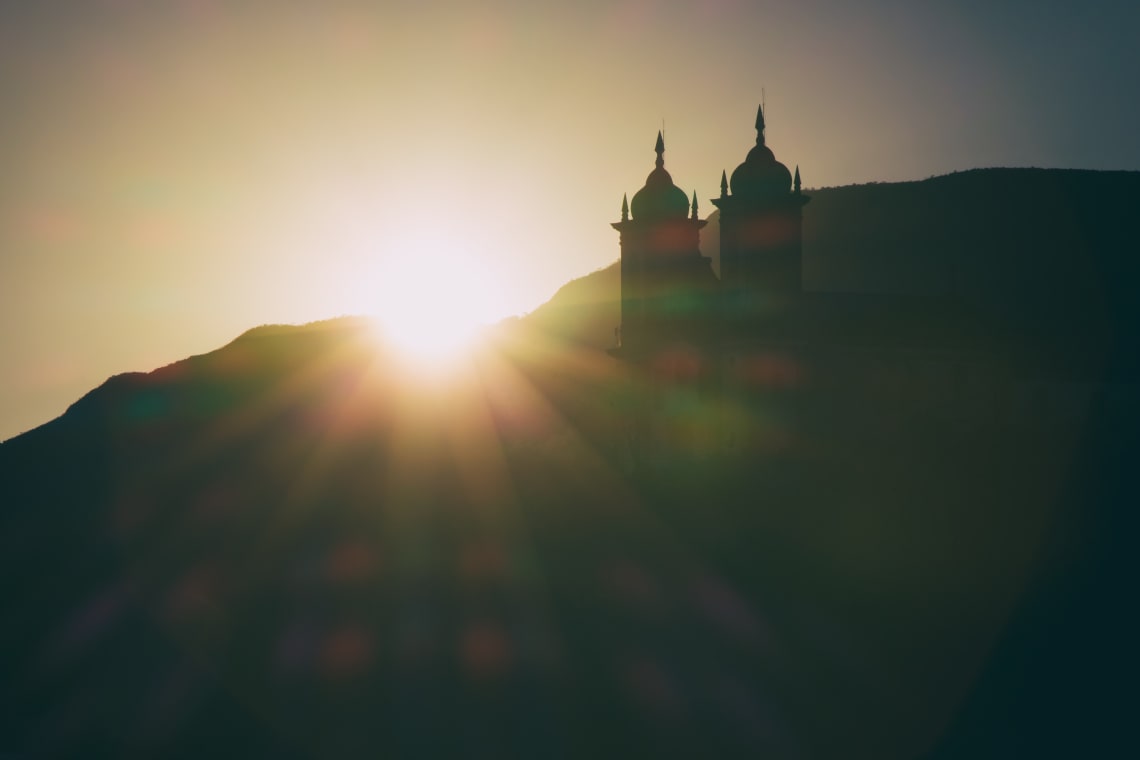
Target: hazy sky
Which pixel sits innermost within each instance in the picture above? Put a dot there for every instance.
(173, 173)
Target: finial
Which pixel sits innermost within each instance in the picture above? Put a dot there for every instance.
(723, 183)
(625, 207)
(760, 124)
(694, 204)
(660, 148)
(796, 184)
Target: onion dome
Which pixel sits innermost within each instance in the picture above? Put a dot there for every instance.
(660, 198)
(761, 175)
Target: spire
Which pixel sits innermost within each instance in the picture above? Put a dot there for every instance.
(723, 183)
(694, 204)
(625, 207)
(760, 125)
(660, 148)
(796, 183)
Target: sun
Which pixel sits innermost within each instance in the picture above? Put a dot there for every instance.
(433, 307)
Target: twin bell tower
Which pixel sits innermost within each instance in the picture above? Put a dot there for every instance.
(669, 293)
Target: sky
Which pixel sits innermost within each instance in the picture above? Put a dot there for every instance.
(173, 173)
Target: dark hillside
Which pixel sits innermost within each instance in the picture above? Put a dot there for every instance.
(296, 546)
(301, 545)
(1054, 240)
(585, 310)
(1057, 248)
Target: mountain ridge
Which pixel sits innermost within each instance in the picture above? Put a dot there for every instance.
(849, 247)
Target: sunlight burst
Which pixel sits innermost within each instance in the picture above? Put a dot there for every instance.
(432, 307)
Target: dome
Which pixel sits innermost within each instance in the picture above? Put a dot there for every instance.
(660, 198)
(761, 175)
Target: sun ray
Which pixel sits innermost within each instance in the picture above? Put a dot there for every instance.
(284, 395)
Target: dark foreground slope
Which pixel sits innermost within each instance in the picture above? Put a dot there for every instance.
(296, 546)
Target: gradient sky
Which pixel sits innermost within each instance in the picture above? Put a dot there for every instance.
(174, 173)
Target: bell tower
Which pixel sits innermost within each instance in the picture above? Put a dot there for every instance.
(761, 234)
(665, 282)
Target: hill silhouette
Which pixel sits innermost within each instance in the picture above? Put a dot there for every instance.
(1044, 249)
(299, 545)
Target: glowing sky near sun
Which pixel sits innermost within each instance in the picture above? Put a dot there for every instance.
(174, 173)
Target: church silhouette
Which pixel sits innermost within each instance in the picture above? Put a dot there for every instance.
(754, 339)
(669, 293)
